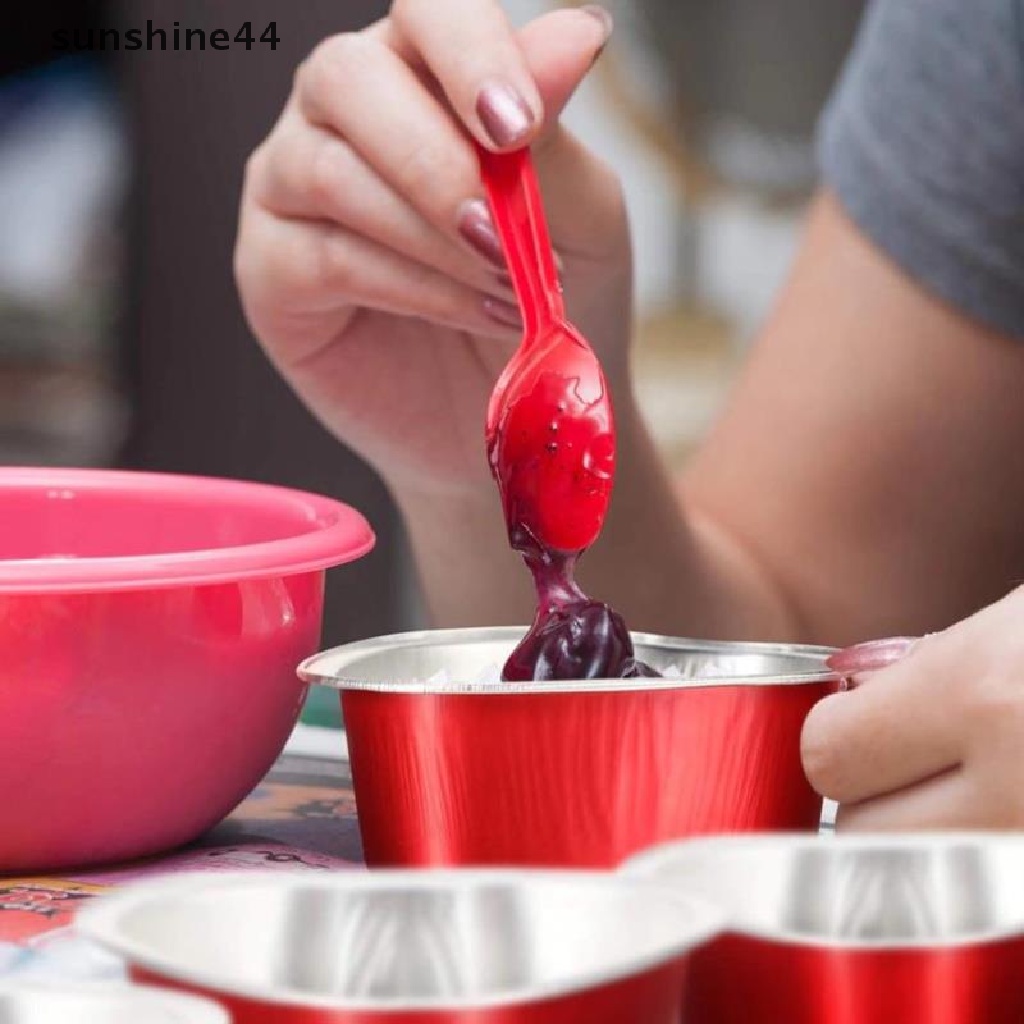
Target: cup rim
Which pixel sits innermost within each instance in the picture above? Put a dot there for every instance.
(646, 864)
(100, 921)
(324, 668)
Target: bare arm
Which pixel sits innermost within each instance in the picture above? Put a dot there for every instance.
(867, 478)
(871, 455)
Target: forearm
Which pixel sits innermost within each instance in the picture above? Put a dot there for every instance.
(658, 562)
(669, 568)
(469, 575)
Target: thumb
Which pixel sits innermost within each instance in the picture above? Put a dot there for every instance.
(559, 49)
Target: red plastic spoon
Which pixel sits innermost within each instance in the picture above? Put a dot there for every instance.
(550, 431)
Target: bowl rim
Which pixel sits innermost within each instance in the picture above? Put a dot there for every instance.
(337, 534)
(313, 670)
(646, 864)
(193, 1009)
(100, 922)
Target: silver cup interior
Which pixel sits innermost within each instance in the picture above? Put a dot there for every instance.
(399, 940)
(470, 660)
(894, 891)
(103, 1004)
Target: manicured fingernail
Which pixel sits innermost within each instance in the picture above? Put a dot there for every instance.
(503, 312)
(603, 16)
(504, 114)
(477, 228)
(871, 656)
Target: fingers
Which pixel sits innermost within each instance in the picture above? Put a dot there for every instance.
(472, 51)
(560, 49)
(309, 173)
(934, 739)
(357, 88)
(948, 801)
(904, 725)
(983, 793)
(398, 146)
(369, 186)
(321, 270)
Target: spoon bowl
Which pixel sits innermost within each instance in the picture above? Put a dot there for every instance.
(552, 445)
(550, 429)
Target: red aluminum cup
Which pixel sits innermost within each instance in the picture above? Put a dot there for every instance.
(464, 947)
(577, 774)
(925, 928)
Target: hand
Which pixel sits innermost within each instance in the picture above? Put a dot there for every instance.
(935, 740)
(366, 260)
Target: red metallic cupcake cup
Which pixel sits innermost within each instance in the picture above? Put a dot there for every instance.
(448, 771)
(419, 947)
(926, 928)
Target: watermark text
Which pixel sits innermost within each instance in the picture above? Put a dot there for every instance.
(154, 37)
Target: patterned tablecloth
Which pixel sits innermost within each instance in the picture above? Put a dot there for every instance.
(301, 817)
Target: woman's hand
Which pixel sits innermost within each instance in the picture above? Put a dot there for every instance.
(366, 259)
(935, 740)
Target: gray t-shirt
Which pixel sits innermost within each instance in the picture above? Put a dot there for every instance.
(923, 143)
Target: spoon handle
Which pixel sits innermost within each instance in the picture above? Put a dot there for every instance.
(514, 194)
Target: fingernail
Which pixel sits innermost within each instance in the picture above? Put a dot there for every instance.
(871, 656)
(603, 16)
(503, 312)
(477, 228)
(504, 114)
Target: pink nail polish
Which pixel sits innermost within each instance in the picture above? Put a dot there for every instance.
(477, 228)
(504, 114)
(871, 656)
(505, 313)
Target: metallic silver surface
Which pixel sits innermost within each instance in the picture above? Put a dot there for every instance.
(877, 892)
(414, 662)
(401, 940)
(103, 1004)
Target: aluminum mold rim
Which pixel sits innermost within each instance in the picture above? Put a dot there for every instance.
(101, 923)
(645, 864)
(353, 652)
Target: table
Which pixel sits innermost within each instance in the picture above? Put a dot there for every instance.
(301, 817)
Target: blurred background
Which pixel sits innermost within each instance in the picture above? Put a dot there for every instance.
(121, 338)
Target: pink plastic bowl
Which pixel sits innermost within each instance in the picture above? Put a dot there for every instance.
(149, 629)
